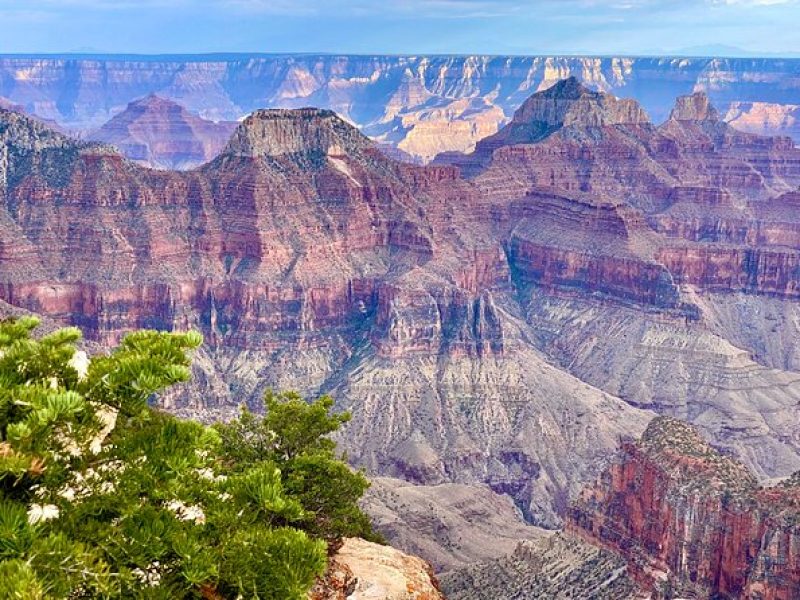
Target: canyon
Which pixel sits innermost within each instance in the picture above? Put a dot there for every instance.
(497, 322)
(423, 105)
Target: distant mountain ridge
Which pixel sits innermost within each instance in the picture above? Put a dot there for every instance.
(424, 105)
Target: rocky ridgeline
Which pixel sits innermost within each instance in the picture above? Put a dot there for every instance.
(692, 522)
(423, 104)
(501, 331)
(159, 133)
(560, 566)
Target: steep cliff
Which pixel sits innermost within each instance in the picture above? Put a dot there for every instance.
(691, 521)
(765, 118)
(311, 261)
(160, 133)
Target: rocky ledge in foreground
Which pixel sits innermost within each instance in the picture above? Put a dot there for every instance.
(362, 570)
(692, 522)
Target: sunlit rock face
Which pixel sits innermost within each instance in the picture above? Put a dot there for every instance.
(361, 570)
(424, 105)
(693, 521)
(160, 133)
(765, 118)
(501, 330)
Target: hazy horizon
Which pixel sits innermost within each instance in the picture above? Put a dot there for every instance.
(740, 28)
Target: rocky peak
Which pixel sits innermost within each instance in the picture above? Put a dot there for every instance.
(151, 104)
(676, 445)
(303, 131)
(569, 102)
(22, 132)
(159, 132)
(694, 107)
(551, 106)
(689, 519)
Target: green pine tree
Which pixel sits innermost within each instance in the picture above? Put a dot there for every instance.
(102, 496)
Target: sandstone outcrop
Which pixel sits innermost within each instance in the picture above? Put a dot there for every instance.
(362, 570)
(157, 132)
(693, 522)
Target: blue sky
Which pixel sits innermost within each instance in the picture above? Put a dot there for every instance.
(729, 27)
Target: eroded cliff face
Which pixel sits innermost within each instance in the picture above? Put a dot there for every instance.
(691, 521)
(482, 331)
(765, 118)
(557, 566)
(424, 104)
(160, 133)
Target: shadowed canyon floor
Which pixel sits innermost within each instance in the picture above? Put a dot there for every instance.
(498, 320)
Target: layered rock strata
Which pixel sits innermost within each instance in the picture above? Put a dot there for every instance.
(693, 522)
(160, 133)
(482, 331)
(422, 103)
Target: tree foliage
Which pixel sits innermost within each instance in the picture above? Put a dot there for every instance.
(293, 436)
(102, 496)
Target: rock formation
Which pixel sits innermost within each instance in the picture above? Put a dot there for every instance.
(557, 566)
(451, 525)
(504, 330)
(692, 522)
(160, 133)
(361, 570)
(765, 118)
(424, 104)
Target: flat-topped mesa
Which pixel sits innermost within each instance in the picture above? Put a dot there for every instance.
(303, 131)
(694, 107)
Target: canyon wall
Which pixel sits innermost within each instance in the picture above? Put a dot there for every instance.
(422, 104)
(692, 522)
(499, 327)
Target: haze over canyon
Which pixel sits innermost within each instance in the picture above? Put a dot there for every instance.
(423, 105)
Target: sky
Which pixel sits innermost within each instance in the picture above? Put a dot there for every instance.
(629, 27)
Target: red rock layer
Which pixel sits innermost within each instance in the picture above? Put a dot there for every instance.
(160, 133)
(691, 521)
